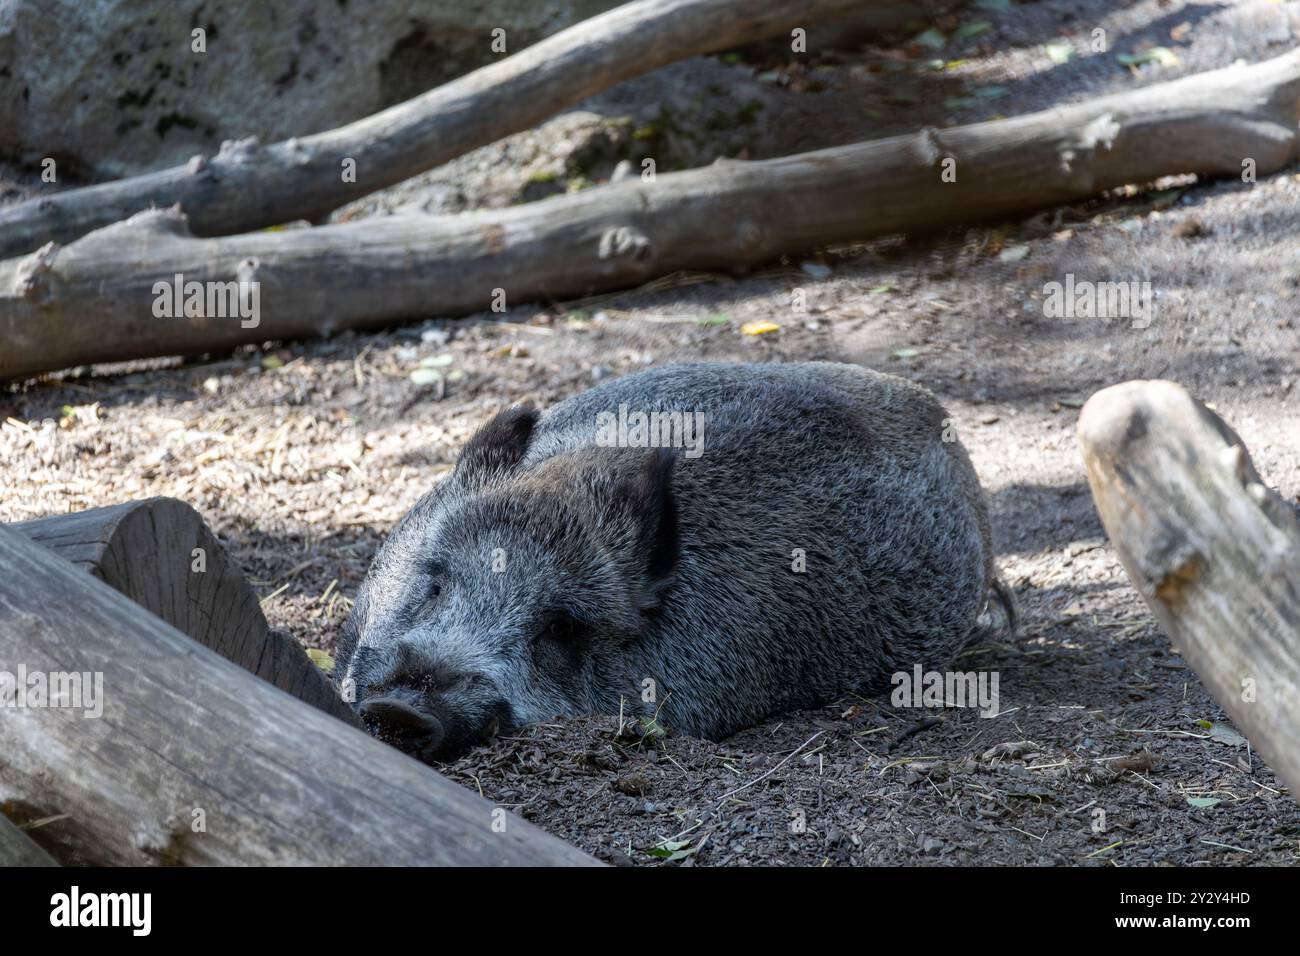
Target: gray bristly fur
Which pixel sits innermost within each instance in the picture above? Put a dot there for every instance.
(551, 576)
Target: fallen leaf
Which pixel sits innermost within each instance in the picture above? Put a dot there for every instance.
(1204, 802)
(1012, 749)
(673, 850)
(1226, 735)
(1059, 52)
(321, 659)
(1142, 761)
(1157, 54)
(426, 376)
(930, 38)
(973, 29)
(759, 328)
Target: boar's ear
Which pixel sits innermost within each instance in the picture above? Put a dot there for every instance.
(645, 489)
(499, 445)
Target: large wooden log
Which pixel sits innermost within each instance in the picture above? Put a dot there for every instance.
(93, 301)
(161, 555)
(196, 761)
(17, 850)
(1213, 552)
(247, 186)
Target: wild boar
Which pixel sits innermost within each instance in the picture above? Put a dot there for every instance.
(709, 544)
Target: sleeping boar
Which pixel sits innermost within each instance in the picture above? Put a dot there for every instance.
(708, 544)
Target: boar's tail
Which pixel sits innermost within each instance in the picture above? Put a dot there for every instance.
(1000, 617)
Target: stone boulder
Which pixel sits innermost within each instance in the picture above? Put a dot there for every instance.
(108, 88)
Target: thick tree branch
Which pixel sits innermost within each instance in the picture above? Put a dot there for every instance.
(248, 186)
(93, 301)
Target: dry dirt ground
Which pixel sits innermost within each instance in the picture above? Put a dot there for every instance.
(1107, 750)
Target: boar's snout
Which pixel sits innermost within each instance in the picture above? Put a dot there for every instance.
(404, 724)
(434, 714)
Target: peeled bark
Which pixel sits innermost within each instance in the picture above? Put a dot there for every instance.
(161, 555)
(195, 761)
(93, 301)
(247, 186)
(1213, 552)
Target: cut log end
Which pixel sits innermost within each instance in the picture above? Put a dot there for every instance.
(161, 555)
(1213, 552)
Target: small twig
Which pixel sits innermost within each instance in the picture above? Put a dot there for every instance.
(914, 729)
(764, 776)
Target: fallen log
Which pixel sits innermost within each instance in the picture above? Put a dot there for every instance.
(162, 556)
(95, 300)
(1213, 552)
(247, 186)
(17, 850)
(195, 761)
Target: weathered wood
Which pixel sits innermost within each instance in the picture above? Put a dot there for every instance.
(246, 186)
(186, 737)
(1213, 552)
(92, 301)
(161, 555)
(17, 850)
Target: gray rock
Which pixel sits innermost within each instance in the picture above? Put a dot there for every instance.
(112, 87)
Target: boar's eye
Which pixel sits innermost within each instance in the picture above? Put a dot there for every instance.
(562, 628)
(435, 571)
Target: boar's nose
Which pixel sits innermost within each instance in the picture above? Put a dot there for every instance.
(397, 721)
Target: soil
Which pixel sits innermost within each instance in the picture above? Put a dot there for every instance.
(1107, 749)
